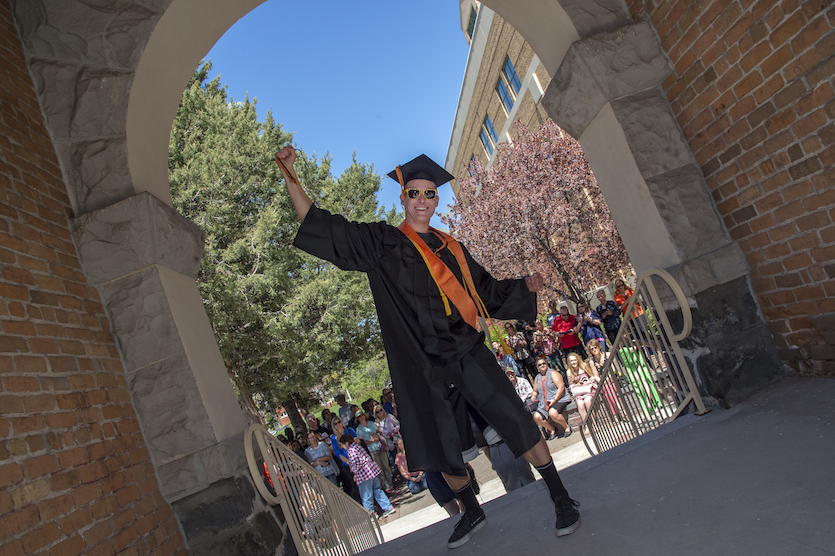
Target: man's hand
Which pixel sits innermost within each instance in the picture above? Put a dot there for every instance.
(287, 155)
(535, 282)
(301, 202)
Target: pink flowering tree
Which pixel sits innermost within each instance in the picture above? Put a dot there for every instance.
(539, 208)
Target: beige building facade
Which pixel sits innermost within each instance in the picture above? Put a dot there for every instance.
(504, 82)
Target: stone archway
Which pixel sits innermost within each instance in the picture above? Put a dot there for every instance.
(109, 79)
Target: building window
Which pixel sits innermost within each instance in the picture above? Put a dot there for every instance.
(471, 25)
(510, 75)
(491, 131)
(488, 136)
(485, 140)
(504, 95)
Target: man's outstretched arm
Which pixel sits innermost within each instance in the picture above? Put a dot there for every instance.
(301, 202)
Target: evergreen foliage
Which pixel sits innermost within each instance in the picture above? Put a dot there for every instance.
(285, 322)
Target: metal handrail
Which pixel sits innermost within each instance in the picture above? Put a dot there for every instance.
(645, 381)
(322, 519)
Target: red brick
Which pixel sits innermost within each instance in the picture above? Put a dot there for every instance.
(65, 481)
(85, 494)
(819, 200)
(34, 404)
(813, 221)
(42, 536)
(823, 254)
(801, 260)
(98, 533)
(21, 384)
(54, 507)
(68, 547)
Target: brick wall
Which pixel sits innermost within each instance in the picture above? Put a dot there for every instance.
(752, 90)
(75, 476)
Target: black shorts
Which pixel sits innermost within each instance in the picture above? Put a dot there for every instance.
(558, 406)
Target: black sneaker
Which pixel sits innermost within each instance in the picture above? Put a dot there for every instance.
(568, 518)
(469, 524)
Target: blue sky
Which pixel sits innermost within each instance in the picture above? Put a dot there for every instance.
(377, 78)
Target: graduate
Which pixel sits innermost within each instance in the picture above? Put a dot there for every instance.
(429, 293)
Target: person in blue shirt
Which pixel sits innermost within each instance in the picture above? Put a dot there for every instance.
(609, 314)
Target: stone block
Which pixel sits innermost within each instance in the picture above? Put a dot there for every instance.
(97, 173)
(55, 87)
(728, 263)
(181, 478)
(573, 98)
(93, 33)
(172, 411)
(591, 17)
(101, 99)
(654, 135)
(688, 213)
(225, 459)
(733, 350)
(601, 68)
(222, 506)
(133, 234)
(697, 274)
(262, 535)
(141, 319)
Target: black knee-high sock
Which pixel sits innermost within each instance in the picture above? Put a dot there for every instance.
(467, 496)
(552, 481)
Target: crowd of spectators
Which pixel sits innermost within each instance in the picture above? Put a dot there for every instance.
(548, 364)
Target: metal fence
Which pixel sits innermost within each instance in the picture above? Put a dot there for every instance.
(645, 381)
(322, 519)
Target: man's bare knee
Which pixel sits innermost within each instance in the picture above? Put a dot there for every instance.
(455, 482)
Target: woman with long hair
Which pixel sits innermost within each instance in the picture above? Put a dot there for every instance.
(597, 358)
(582, 383)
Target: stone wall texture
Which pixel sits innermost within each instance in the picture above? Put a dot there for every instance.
(752, 91)
(75, 474)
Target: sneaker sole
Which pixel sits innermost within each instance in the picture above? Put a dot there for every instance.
(570, 529)
(467, 537)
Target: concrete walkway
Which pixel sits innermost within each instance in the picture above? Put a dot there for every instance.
(757, 479)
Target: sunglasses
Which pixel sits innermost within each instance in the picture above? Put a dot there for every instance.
(428, 194)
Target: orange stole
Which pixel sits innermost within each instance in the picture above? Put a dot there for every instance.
(446, 281)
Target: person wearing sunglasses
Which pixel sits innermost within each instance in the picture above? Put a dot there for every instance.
(430, 293)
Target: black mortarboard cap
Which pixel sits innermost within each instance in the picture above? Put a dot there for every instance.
(422, 168)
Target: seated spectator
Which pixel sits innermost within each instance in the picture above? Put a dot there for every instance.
(582, 383)
(415, 480)
(567, 327)
(589, 323)
(514, 472)
(505, 360)
(522, 386)
(521, 352)
(597, 358)
(379, 452)
(296, 446)
(366, 474)
(320, 457)
(610, 314)
(552, 398)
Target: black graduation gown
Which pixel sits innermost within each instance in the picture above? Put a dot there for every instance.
(434, 359)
